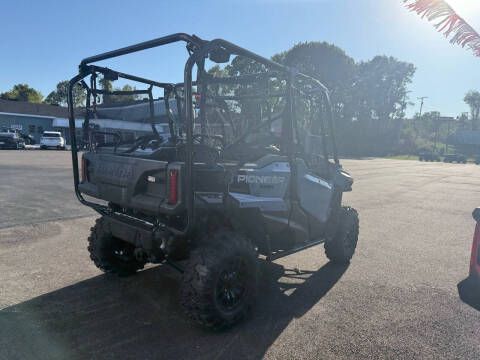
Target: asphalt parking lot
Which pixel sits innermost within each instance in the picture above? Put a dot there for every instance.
(397, 299)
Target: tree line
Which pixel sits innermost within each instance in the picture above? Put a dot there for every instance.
(369, 97)
(59, 96)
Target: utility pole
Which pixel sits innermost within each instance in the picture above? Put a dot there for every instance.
(448, 134)
(437, 127)
(422, 99)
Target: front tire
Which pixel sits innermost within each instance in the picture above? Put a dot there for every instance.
(110, 254)
(341, 247)
(220, 280)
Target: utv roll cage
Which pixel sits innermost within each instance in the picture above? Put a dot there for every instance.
(218, 51)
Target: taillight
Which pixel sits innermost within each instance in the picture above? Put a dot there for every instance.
(84, 169)
(173, 187)
(475, 259)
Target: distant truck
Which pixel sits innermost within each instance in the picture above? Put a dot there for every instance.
(428, 156)
(458, 158)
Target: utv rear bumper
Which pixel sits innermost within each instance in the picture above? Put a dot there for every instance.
(131, 230)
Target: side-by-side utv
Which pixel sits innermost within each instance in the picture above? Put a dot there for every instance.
(246, 167)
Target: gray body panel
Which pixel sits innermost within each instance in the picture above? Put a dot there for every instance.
(266, 186)
(314, 192)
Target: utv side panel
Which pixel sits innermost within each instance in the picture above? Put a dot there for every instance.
(314, 192)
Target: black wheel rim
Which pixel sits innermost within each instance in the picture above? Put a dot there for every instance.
(122, 252)
(232, 285)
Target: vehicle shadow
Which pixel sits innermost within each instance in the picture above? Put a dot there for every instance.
(140, 317)
(469, 292)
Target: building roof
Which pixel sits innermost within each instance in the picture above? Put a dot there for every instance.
(27, 108)
(139, 112)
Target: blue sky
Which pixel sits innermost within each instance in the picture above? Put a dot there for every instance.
(43, 41)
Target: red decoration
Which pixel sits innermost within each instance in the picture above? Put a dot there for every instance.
(450, 24)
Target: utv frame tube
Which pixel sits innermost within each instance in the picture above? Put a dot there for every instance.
(143, 46)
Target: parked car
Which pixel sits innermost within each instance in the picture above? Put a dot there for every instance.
(11, 140)
(52, 140)
(428, 156)
(458, 158)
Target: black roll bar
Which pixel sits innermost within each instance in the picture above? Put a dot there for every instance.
(245, 78)
(166, 96)
(121, 92)
(108, 71)
(73, 140)
(194, 40)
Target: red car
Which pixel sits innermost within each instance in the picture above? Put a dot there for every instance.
(469, 289)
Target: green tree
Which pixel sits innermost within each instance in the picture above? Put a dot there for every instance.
(23, 92)
(126, 98)
(332, 66)
(252, 108)
(375, 106)
(326, 62)
(369, 98)
(109, 99)
(472, 98)
(379, 92)
(60, 95)
(218, 72)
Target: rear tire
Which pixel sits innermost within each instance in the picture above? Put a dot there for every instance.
(110, 254)
(220, 281)
(341, 247)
